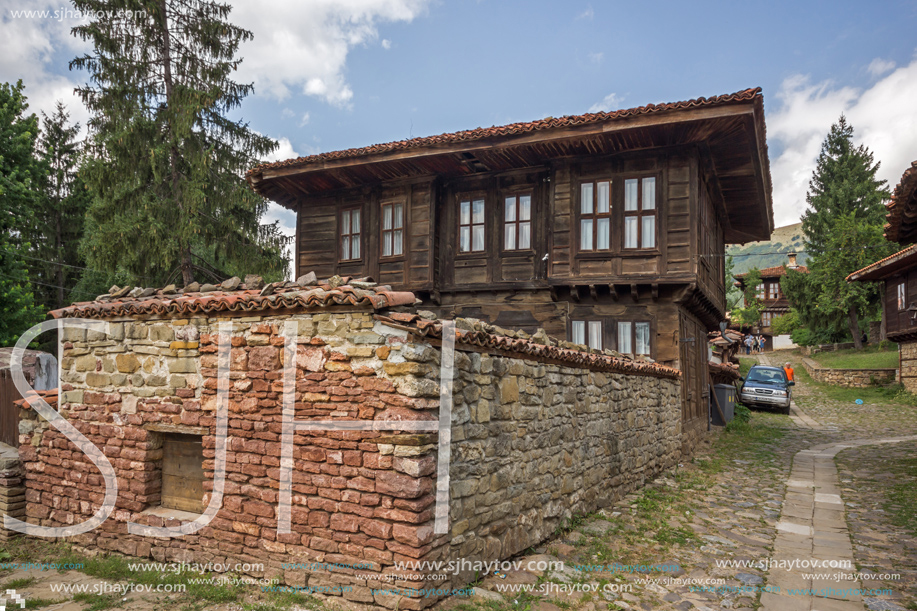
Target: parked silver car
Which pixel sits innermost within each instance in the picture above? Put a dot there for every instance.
(767, 387)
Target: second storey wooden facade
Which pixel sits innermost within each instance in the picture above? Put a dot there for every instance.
(606, 229)
(770, 293)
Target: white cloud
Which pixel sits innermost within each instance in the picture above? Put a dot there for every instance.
(884, 118)
(879, 66)
(305, 120)
(610, 102)
(386, 44)
(27, 48)
(283, 152)
(287, 113)
(596, 58)
(304, 45)
(587, 14)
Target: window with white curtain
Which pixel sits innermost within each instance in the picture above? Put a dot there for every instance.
(640, 213)
(595, 216)
(471, 225)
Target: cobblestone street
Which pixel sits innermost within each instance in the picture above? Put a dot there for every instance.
(738, 527)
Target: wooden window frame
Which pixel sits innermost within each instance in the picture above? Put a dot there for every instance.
(760, 291)
(640, 213)
(341, 235)
(633, 336)
(587, 331)
(471, 198)
(595, 216)
(902, 295)
(390, 233)
(517, 222)
(766, 319)
(773, 290)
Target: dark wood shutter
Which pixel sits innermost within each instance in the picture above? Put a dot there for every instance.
(182, 472)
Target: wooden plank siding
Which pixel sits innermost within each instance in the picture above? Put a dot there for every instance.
(900, 320)
(9, 413)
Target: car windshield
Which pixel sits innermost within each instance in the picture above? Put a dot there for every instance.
(770, 376)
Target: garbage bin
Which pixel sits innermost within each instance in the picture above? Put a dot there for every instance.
(726, 396)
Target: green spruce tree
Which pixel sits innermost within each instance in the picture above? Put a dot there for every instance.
(56, 225)
(843, 233)
(20, 175)
(167, 165)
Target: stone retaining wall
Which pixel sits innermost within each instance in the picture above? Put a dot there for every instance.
(908, 363)
(12, 489)
(851, 378)
(533, 443)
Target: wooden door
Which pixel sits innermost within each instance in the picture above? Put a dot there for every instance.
(182, 472)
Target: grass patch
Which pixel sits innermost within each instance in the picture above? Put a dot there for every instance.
(893, 393)
(97, 602)
(39, 603)
(19, 584)
(870, 357)
(745, 364)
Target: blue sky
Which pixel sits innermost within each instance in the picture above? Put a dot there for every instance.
(345, 73)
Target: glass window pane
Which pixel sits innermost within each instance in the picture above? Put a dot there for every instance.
(345, 247)
(386, 217)
(525, 207)
(603, 198)
(624, 338)
(399, 216)
(649, 193)
(586, 198)
(603, 239)
(465, 239)
(355, 246)
(525, 235)
(630, 232)
(630, 194)
(465, 213)
(510, 209)
(642, 330)
(595, 334)
(477, 238)
(355, 222)
(386, 243)
(585, 234)
(579, 332)
(345, 222)
(398, 239)
(478, 211)
(509, 236)
(649, 232)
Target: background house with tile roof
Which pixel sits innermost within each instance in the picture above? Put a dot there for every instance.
(607, 229)
(775, 302)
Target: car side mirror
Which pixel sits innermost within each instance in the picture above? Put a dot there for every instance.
(741, 379)
(791, 383)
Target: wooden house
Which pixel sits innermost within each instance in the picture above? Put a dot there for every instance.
(898, 274)
(775, 302)
(607, 229)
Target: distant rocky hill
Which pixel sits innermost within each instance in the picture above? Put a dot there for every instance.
(771, 253)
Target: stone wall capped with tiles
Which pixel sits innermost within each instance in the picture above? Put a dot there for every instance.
(534, 441)
(908, 361)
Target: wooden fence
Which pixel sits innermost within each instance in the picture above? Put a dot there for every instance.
(9, 413)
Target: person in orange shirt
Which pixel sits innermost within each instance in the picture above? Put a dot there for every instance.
(788, 369)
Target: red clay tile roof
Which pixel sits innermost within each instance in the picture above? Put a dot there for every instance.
(511, 129)
(902, 196)
(874, 271)
(723, 370)
(50, 397)
(283, 297)
(421, 327)
(775, 272)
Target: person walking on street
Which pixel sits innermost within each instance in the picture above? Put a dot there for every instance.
(788, 370)
(748, 343)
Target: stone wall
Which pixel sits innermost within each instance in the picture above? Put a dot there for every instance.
(851, 378)
(908, 364)
(12, 489)
(533, 443)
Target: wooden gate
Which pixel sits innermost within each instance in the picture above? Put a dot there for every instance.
(9, 413)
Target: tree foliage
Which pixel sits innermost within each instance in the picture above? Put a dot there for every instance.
(843, 231)
(55, 226)
(750, 314)
(786, 324)
(20, 172)
(167, 164)
(733, 294)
